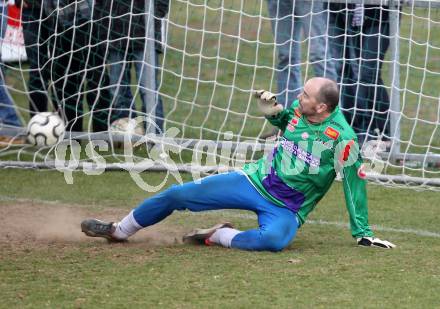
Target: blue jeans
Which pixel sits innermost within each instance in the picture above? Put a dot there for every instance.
(277, 225)
(8, 115)
(4, 19)
(289, 18)
(123, 104)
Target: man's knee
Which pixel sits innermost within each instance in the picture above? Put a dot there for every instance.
(273, 241)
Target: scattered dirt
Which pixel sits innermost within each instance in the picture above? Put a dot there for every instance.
(31, 224)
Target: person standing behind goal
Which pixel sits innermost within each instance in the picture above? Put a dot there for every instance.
(62, 49)
(37, 29)
(359, 40)
(294, 23)
(125, 21)
(77, 64)
(8, 114)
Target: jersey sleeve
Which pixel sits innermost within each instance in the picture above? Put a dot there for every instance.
(282, 119)
(355, 191)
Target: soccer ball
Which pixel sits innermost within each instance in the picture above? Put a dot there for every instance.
(45, 129)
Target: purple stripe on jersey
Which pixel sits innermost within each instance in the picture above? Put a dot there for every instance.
(292, 198)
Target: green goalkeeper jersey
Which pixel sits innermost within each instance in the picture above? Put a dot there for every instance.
(305, 162)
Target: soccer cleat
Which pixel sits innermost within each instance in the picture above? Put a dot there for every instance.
(98, 228)
(202, 235)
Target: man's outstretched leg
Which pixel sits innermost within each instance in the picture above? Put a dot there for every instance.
(224, 191)
(108, 230)
(277, 228)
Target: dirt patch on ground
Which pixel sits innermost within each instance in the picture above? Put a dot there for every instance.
(32, 224)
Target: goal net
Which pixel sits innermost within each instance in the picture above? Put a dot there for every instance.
(185, 73)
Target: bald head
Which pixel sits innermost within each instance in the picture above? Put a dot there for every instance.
(318, 99)
(327, 92)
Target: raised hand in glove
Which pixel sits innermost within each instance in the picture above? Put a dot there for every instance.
(268, 103)
(375, 242)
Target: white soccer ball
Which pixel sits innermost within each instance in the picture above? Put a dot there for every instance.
(45, 129)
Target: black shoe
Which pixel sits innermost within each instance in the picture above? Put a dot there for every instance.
(98, 228)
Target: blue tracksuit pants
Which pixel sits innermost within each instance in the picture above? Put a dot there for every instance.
(277, 225)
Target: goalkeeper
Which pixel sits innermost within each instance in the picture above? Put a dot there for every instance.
(282, 188)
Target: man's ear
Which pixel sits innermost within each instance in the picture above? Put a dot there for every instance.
(321, 108)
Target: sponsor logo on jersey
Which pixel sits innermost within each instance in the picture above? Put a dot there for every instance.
(292, 124)
(297, 112)
(300, 153)
(332, 133)
(290, 128)
(347, 150)
(346, 153)
(305, 135)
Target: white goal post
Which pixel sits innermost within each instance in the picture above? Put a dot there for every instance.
(200, 61)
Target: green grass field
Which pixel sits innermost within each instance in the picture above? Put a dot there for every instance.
(45, 261)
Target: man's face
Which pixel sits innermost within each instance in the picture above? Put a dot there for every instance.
(308, 103)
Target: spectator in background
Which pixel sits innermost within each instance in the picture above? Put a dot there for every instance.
(77, 61)
(372, 98)
(8, 114)
(342, 43)
(36, 31)
(359, 40)
(4, 16)
(61, 45)
(289, 19)
(126, 39)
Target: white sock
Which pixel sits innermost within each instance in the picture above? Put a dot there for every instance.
(224, 236)
(126, 227)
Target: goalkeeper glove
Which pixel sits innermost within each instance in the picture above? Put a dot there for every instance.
(375, 242)
(268, 103)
